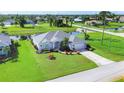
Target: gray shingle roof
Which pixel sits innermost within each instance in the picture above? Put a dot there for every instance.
(59, 36)
(73, 38)
(5, 39)
(54, 37)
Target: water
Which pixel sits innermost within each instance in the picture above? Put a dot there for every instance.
(115, 29)
(74, 33)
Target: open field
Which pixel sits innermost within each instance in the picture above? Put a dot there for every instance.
(29, 29)
(112, 48)
(30, 66)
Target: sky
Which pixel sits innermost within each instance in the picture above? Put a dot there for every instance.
(41, 6)
(57, 12)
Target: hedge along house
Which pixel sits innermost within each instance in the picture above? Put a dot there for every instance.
(5, 43)
(52, 41)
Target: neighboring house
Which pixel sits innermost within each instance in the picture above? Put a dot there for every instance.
(5, 43)
(52, 40)
(8, 22)
(121, 19)
(109, 19)
(93, 22)
(78, 19)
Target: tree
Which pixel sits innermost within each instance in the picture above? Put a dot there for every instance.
(103, 15)
(71, 20)
(51, 21)
(22, 21)
(2, 25)
(64, 45)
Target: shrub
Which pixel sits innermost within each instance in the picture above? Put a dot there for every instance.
(78, 52)
(23, 37)
(51, 57)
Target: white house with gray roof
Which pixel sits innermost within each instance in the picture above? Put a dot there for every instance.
(5, 43)
(52, 40)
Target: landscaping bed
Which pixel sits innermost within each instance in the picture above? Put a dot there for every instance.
(30, 66)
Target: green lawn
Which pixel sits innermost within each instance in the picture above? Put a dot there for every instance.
(113, 47)
(36, 67)
(28, 30)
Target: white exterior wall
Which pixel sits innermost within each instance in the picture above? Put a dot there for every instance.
(45, 45)
(77, 46)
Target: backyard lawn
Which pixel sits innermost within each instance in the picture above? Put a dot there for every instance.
(112, 48)
(40, 28)
(30, 66)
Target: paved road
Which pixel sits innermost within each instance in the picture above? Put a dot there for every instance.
(99, 60)
(99, 30)
(104, 73)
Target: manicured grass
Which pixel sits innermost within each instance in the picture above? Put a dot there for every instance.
(28, 30)
(36, 67)
(112, 48)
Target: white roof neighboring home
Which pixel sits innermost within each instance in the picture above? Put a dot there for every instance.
(79, 29)
(5, 39)
(109, 19)
(121, 19)
(8, 22)
(78, 19)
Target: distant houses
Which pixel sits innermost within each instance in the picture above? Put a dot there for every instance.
(52, 41)
(93, 22)
(78, 19)
(121, 19)
(5, 43)
(8, 22)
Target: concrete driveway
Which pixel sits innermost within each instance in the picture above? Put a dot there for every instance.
(104, 73)
(99, 60)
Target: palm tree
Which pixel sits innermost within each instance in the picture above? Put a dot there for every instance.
(103, 15)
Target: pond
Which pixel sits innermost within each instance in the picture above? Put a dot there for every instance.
(116, 29)
(74, 33)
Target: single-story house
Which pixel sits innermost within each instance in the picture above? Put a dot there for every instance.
(8, 22)
(5, 43)
(78, 19)
(52, 40)
(93, 22)
(121, 19)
